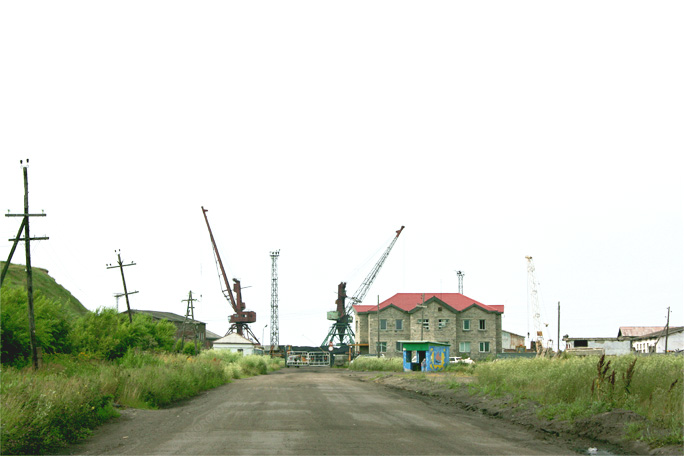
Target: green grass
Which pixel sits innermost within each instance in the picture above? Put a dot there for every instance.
(367, 363)
(574, 387)
(59, 404)
(16, 278)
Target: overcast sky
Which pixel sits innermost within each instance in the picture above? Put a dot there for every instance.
(491, 130)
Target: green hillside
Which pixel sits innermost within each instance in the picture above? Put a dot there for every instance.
(42, 282)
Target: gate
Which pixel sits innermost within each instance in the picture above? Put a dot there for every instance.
(304, 358)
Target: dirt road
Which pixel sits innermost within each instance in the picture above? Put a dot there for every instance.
(310, 411)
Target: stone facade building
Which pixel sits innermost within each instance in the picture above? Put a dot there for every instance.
(471, 328)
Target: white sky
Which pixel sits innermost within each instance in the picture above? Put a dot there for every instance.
(491, 130)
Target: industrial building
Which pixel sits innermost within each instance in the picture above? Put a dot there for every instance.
(184, 327)
(472, 329)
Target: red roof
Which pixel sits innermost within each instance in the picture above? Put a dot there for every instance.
(408, 301)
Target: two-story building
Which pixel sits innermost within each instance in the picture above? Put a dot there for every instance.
(471, 328)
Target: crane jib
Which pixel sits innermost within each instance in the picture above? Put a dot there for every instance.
(218, 257)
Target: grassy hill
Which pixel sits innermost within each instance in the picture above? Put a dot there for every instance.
(16, 277)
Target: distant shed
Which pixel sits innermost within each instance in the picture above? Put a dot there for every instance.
(235, 342)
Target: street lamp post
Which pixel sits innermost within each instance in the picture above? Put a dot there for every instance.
(262, 335)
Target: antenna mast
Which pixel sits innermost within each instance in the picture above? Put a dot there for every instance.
(274, 301)
(460, 275)
(533, 301)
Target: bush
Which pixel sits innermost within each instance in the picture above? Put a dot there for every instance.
(51, 320)
(109, 335)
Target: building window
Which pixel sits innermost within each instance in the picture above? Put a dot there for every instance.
(466, 325)
(399, 345)
(383, 324)
(399, 325)
(442, 323)
(382, 347)
(484, 347)
(483, 325)
(464, 347)
(425, 322)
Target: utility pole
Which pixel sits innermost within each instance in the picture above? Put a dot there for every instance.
(667, 328)
(29, 273)
(189, 314)
(378, 344)
(120, 265)
(422, 315)
(558, 350)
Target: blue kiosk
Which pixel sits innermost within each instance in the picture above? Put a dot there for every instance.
(425, 355)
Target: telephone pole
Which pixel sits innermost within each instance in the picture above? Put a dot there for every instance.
(29, 273)
(120, 265)
(667, 328)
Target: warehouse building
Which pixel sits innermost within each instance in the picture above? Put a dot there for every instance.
(472, 329)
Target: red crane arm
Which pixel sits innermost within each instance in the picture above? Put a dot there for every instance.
(218, 257)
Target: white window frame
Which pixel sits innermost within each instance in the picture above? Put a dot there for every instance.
(399, 324)
(383, 324)
(462, 346)
(484, 344)
(382, 346)
(482, 326)
(466, 323)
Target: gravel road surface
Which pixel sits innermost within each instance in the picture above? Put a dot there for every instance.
(310, 411)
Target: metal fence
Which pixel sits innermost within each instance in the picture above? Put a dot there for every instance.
(303, 358)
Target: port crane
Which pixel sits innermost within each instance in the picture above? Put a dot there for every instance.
(239, 321)
(342, 316)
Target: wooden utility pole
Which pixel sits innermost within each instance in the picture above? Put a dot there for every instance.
(558, 327)
(29, 273)
(120, 265)
(378, 345)
(667, 328)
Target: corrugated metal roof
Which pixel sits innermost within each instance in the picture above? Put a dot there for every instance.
(672, 330)
(638, 331)
(408, 302)
(164, 315)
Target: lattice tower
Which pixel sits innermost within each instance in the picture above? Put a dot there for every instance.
(274, 300)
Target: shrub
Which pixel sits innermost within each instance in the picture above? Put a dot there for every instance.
(109, 335)
(51, 320)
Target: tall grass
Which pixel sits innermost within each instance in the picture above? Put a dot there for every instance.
(377, 364)
(59, 404)
(572, 387)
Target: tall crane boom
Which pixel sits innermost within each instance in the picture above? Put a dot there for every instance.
(357, 298)
(241, 318)
(343, 313)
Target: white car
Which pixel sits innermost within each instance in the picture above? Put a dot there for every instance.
(458, 359)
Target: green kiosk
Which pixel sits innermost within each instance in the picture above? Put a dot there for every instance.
(425, 355)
